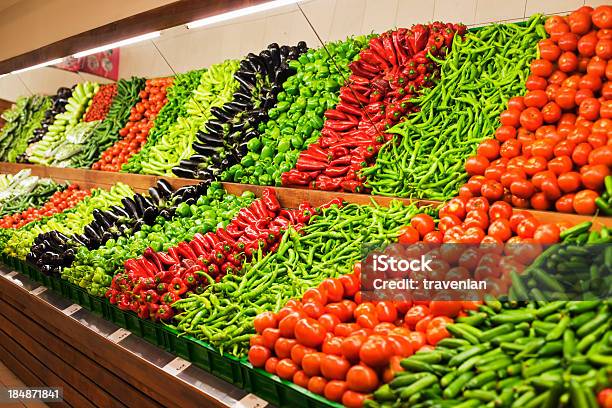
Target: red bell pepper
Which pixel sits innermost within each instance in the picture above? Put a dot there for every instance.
(164, 312)
(334, 114)
(270, 200)
(177, 286)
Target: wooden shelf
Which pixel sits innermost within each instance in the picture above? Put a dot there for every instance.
(289, 197)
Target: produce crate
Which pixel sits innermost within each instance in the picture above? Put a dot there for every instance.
(280, 392)
(206, 357)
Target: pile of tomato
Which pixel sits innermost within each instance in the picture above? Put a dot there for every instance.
(101, 103)
(59, 201)
(553, 149)
(336, 345)
(141, 120)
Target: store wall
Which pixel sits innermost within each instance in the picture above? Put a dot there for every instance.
(179, 49)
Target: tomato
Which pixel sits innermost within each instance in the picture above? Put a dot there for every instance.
(592, 176)
(340, 310)
(495, 172)
(605, 398)
(565, 203)
(434, 237)
(539, 201)
(566, 98)
(602, 17)
(317, 385)
(283, 346)
(415, 314)
(492, 190)
(345, 329)
(543, 148)
(310, 332)
(489, 148)
(258, 355)
(522, 188)
(446, 308)
(287, 325)
(271, 364)
(534, 165)
(286, 369)
(560, 165)
(386, 312)
(477, 204)
(547, 234)
(535, 82)
(315, 295)
(436, 329)
(455, 206)
(536, 98)
(352, 399)
(568, 62)
(542, 68)
(334, 390)
(264, 320)
(603, 49)
(549, 51)
(569, 182)
(500, 229)
(313, 309)
(269, 337)
(587, 43)
(579, 22)
(362, 379)
(580, 156)
(311, 363)
(589, 109)
(512, 175)
(584, 202)
(408, 235)
(516, 102)
(531, 119)
(350, 347)
(551, 190)
(332, 345)
(334, 367)
(510, 148)
(601, 156)
(417, 339)
(551, 112)
(422, 223)
(504, 133)
(300, 378)
(334, 289)
(500, 209)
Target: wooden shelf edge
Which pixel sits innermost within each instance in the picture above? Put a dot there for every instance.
(289, 197)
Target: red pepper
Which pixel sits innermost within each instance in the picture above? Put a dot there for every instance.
(227, 267)
(307, 164)
(295, 177)
(372, 62)
(359, 80)
(124, 303)
(350, 110)
(247, 215)
(197, 248)
(397, 36)
(336, 171)
(222, 247)
(417, 38)
(153, 308)
(389, 49)
(177, 286)
(161, 288)
(151, 255)
(189, 278)
(232, 230)
(228, 240)
(334, 114)
(218, 257)
(173, 253)
(150, 296)
(135, 306)
(316, 151)
(165, 259)
(353, 186)
(169, 298)
(213, 270)
(356, 68)
(164, 312)
(327, 183)
(377, 47)
(340, 126)
(335, 201)
(143, 312)
(357, 99)
(185, 251)
(282, 222)
(258, 208)
(132, 266)
(240, 224)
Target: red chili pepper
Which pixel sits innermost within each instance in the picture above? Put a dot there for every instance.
(211, 239)
(177, 286)
(334, 201)
(227, 267)
(259, 209)
(132, 266)
(397, 36)
(357, 98)
(377, 47)
(389, 49)
(334, 114)
(150, 296)
(307, 164)
(356, 68)
(161, 288)
(349, 109)
(185, 251)
(232, 230)
(213, 270)
(336, 171)
(143, 312)
(173, 253)
(359, 80)
(340, 126)
(353, 186)
(295, 177)
(123, 303)
(247, 215)
(197, 248)
(189, 278)
(327, 183)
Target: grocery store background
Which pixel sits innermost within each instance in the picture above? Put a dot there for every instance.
(36, 23)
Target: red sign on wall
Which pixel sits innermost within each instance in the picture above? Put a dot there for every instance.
(104, 64)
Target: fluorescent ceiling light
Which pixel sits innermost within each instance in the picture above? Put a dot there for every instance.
(118, 44)
(240, 13)
(44, 64)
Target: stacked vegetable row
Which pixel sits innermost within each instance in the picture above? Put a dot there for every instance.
(22, 120)
(22, 191)
(296, 120)
(388, 74)
(552, 150)
(224, 140)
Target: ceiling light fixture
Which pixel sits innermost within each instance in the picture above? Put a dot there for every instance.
(240, 13)
(44, 64)
(118, 44)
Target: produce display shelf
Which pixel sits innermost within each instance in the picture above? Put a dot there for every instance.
(238, 372)
(288, 197)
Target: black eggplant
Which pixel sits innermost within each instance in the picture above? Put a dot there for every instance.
(190, 164)
(154, 195)
(181, 172)
(140, 206)
(101, 219)
(275, 53)
(244, 82)
(168, 213)
(164, 188)
(207, 139)
(149, 215)
(106, 236)
(221, 113)
(130, 207)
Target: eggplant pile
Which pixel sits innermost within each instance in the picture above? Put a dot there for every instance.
(223, 142)
(58, 105)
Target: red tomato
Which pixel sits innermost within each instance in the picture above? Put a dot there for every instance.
(300, 378)
(298, 352)
(334, 390)
(436, 330)
(531, 119)
(504, 133)
(492, 190)
(565, 203)
(352, 399)
(568, 62)
(516, 102)
(408, 235)
(311, 363)
(500, 209)
(510, 117)
(317, 385)
(287, 324)
(584, 202)
(286, 369)
(593, 176)
(258, 355)
(269, 337)
(271, 364)
(283, 346)
(334, 289)
(310, 332)
(332, 345)
(334, 367)
(329, 321)
(551, 112)
(415, 314)
(362, 379)
(315, 295)
(476, 165)
(579, 22)
(423, 223)
(264, 320)
(542, 68)
(580, 156)
(547, 234)
(447, 308)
